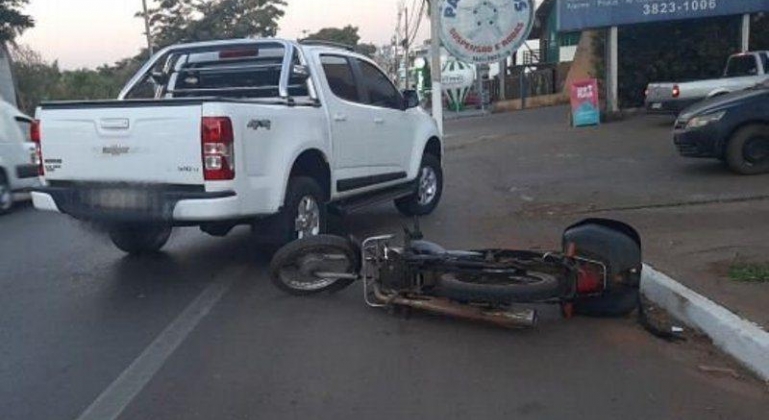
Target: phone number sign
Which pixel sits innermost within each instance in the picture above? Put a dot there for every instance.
(574, 15)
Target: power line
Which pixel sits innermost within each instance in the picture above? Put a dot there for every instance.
(421, 15)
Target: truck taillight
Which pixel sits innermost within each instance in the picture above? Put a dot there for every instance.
(218, 151)
(34, 135)
(676, 91)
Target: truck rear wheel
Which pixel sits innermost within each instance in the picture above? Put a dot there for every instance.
(6, 195)
(429, 189)
(304, 212)
(138, 240)
(748, 150)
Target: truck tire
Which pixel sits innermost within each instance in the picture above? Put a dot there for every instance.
(747, 152)
(304, 211)
(6, 195)
(140, 240)
(429, 189)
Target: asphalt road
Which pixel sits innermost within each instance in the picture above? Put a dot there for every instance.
(199, 333)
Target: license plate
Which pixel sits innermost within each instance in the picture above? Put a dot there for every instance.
(120, 199)
(656, 105)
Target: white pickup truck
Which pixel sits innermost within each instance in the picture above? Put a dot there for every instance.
(742, 71)
(268, 133)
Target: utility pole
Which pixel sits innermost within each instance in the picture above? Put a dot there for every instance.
(435, 63)
(397, 46)
(745, 33)
(406, 50)
(150, 48)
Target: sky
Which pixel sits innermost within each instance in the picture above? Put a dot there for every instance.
(88, 33)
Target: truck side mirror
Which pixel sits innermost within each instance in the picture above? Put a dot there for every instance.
(299, 74)
(410, 99)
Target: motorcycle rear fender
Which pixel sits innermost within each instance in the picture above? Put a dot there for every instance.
(611, 242)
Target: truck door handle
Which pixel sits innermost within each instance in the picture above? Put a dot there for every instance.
(340, 117)
(379, 121)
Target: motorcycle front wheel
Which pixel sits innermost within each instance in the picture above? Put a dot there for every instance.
(314, 265)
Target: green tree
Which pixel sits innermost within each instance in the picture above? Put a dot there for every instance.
(39, 80)
(347, 36)
(36, 79)
(12, 21)
(174, 21)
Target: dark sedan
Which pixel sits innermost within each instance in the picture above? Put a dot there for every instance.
(733, 128)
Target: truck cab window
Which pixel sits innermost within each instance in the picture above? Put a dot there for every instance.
(381, 91)
(340, 77)
(740, 66)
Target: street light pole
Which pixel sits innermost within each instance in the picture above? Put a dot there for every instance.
(150, 48)
(435, 63)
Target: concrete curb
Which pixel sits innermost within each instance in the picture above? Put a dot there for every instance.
(743, 340)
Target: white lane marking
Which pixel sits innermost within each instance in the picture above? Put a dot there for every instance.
(116, 397)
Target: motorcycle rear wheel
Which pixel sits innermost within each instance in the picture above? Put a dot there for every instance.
(480, 287)
(293, 268)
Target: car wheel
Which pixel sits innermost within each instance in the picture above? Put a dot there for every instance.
(139, 240)
(6, 195)
(748, 150)
(304, 212)
(429, 189)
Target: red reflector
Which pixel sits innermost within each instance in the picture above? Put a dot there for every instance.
(217, 148)
(238, 53)
(676, 91)
(34, 134)
(589, 279)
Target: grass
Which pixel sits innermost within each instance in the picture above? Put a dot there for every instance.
(749, 273)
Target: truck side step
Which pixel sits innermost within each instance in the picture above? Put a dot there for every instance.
(353, 204)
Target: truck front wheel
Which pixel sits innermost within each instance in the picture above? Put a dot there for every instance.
(428, 191)
(748, 150)
(140, 239)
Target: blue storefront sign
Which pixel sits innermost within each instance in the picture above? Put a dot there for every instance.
(575, 15)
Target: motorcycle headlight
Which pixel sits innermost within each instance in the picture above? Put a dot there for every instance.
(704, 120)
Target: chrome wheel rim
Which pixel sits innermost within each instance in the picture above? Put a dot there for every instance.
(307, 221)
(6, 197)
(428, 186)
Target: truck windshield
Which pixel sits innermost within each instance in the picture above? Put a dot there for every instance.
(743, 65)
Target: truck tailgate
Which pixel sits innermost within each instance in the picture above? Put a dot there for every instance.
(137, 144)
(659, 92)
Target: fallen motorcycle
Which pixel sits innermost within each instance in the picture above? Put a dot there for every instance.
(597, 272)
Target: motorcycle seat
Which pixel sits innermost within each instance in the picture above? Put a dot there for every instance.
(422, 247)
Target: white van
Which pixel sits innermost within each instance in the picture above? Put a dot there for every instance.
(18, 160)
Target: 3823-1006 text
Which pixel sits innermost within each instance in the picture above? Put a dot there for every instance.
(681, 6)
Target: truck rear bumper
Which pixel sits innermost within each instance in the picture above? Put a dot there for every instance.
(164, 206)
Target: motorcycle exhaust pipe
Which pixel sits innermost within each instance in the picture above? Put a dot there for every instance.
(524, 318)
